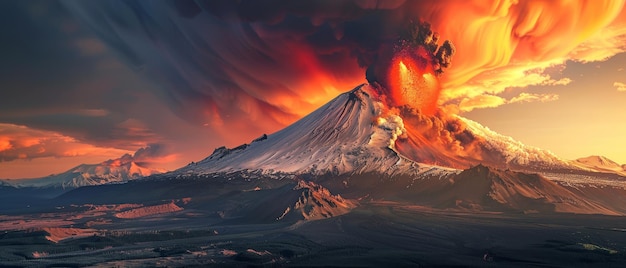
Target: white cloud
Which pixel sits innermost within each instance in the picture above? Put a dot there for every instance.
(620, 86)
(481, 101)
(531, 97)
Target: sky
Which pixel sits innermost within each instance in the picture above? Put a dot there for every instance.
(170, 81)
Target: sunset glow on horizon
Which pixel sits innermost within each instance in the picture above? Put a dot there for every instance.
(85, 82)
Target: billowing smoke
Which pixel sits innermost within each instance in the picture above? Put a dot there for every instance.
(149, 156)
(429, 137)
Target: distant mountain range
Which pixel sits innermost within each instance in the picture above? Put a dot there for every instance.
(111, 171)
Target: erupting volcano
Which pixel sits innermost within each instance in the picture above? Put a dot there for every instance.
(387, 126)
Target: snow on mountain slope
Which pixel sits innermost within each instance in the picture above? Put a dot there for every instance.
(513, 153)
(348, 134)
(115, 170)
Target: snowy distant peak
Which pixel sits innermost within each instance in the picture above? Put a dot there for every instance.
(348, 134)
(114, 170)
(600, 163)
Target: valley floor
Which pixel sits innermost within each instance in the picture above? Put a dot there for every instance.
(374, 234)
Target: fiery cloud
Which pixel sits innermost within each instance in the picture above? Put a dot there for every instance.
(500, 42)
(490, 101)
(407, 70)
(530, 97)
(620, 86)
(481, 101)
(20, 142)
(56, 152)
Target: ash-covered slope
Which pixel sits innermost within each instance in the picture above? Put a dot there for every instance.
(115, 170)
(349, 134)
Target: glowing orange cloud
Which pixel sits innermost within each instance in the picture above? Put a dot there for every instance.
(413, 82)
(20, 142)
(304, 86)
(499, 41)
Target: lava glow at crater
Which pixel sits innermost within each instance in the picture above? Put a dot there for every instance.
(413, 83)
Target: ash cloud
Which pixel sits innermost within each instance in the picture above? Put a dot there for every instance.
(445, 132)
(146, 156)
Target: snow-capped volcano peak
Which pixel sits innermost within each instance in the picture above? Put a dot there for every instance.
(348, 134)
(358, 132)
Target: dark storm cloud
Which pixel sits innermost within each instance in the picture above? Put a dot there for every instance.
(59, 77)
(236, 58)
(149, 152)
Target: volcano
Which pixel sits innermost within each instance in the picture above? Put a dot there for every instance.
(356, 133)
(347, 135)
(358, 147)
